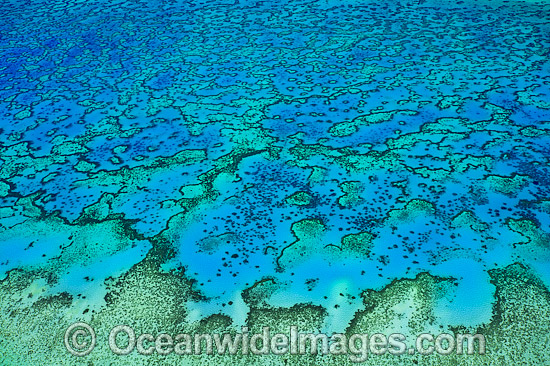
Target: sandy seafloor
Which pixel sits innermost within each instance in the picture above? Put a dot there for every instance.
(344, 166)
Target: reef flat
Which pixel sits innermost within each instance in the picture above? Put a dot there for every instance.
(340, 166)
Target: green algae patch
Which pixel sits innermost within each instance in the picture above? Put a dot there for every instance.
(307, 317)
(300, 198)
(308, 229)
(257, 295)
(373, 160)
(308, 234)
(405, 306)
(317, 175)
(69, 148)
(84, 166)
(531, 231)
(155, 105)
(414, 209)
(519, 293)
(352, 194)
(469, 220)
(360, 243)
(509, 186)
(348, 128)
(4, 189)
(26, 113)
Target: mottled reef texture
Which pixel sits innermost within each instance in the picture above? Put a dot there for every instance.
(340, 166)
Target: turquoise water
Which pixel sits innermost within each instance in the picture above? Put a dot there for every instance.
(330, 147)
